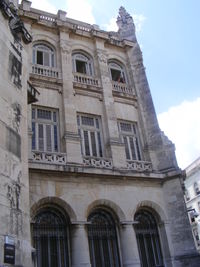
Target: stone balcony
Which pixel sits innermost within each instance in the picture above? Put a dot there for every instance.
(122, 88)
(48, 157)
(87, 80)
(98, 162)
(46, 71)
(139, 166)
(55, 159)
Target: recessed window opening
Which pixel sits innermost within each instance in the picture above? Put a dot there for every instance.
(50, 233)
(117, 73)
(81, 66)
(103, 242)
(148, 239)
(43, 55)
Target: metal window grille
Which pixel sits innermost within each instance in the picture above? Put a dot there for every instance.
(50, 238)
(102, 237)
(148, 240)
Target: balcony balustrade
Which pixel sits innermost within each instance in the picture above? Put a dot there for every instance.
(98, 162)
(121, 88)
(86, 80)
(49, 157)
(139, 166)
(46, 71)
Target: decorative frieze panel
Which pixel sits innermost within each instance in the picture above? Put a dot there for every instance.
(50, 158)
(98, 162)
(139, 166)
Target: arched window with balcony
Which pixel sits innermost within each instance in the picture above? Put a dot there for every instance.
(117, 72)
(50, 238)
(82, 63)
(43, 55)
(148, 239)
(103, 242)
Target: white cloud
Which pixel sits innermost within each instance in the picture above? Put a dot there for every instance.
(182, 125)
(80, 10)
(44, 5)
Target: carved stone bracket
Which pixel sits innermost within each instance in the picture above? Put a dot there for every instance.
(102, 56)
(16, 25)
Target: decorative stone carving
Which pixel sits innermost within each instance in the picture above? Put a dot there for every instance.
(16, 107)
(102, 57)
(16, 25)
(65, 47)
(13, 193)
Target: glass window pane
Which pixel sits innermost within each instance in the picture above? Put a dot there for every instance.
(41, 137)
(48, 138)
(46, 59)
(33, 136)
(100, 146)
(132, 148)
(55, 138)
(126, 147)
(86, 143)
(93, 143)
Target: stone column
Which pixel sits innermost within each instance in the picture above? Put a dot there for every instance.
(80, 247)
(71, 136)
(113, 144)
(129, 248)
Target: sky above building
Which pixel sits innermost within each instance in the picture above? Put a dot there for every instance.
(168, 33)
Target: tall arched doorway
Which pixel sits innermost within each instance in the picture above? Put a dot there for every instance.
(103, 243)
(148, 239)
(50, 238)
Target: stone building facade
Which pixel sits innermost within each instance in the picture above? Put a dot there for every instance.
(96, 182)
(192, 198)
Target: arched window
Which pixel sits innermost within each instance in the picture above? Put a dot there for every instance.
(50, 238)
(117, 72)
(103, 240)
(148, 239)
(82, 64)
(43, 55)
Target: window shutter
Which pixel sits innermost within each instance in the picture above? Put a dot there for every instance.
(46, 59)
(40, 137)
(126, 147)
(93, 142)
(86, 142)
(48, 138)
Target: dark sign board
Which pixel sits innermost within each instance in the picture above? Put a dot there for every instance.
(9, 253)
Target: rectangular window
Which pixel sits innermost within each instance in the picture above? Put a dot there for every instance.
(129, 135)
(91, 136)
(45, 129)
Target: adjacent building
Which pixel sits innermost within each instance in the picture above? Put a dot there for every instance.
(87, 178)
(192, 198)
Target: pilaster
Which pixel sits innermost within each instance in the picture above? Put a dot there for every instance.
(130, 255)
(80, 247)
(114, 145)
(72, 140)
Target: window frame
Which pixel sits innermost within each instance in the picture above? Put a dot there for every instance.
(84, 58)
(132, 144)
(47, 50)
(116, 66)
(98, 136)
(54, 130)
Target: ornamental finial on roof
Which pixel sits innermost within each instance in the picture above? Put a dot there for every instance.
(126, 25)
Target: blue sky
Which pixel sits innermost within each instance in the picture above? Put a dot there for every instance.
(168, 32)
